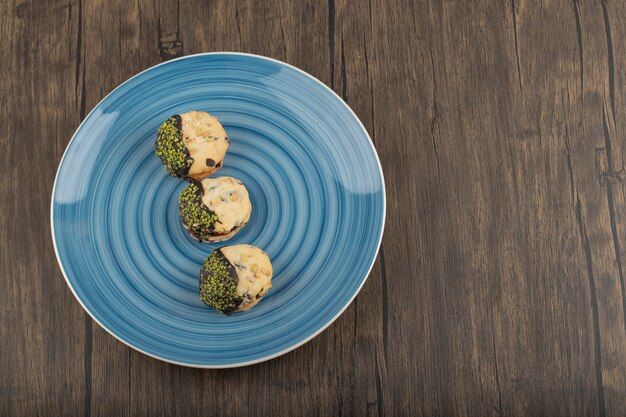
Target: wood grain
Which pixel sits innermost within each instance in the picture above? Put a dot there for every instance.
(499, 289)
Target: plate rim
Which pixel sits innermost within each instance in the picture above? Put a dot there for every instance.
(264, 358)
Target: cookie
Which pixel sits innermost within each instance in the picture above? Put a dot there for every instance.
(191, 145)
(235, 278)
(214, 209)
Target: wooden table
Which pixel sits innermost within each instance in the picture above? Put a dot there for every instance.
(500, 287)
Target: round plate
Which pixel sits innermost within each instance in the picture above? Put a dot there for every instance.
(318, 209)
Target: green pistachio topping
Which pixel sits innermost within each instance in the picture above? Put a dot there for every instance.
(197, 217)
(218, 284)
(171, 149)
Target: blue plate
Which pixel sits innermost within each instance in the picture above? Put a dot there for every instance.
(318, 209)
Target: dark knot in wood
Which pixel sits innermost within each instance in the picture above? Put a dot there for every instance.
(170, 46)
